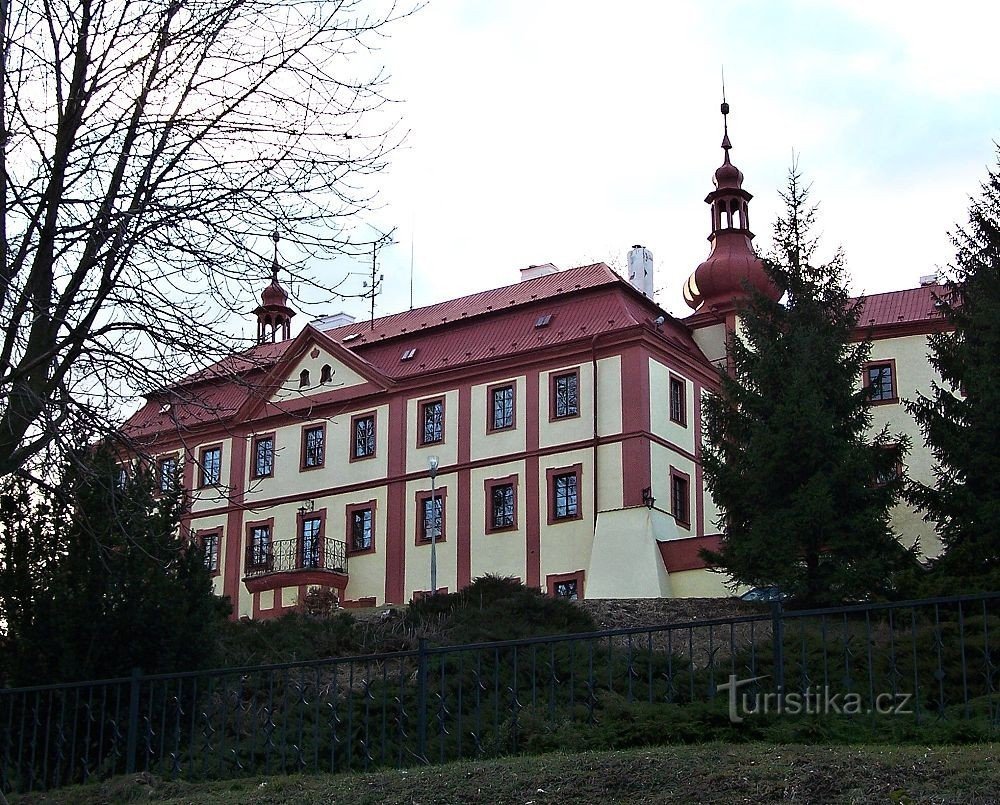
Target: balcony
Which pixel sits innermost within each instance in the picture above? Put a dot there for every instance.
(289, 563)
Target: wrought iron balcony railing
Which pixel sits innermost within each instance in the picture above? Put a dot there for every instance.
(290, 555)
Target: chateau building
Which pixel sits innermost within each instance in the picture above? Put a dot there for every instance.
(562, 415)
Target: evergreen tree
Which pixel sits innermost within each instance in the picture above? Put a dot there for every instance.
(804, 496)
(961, 419)
(98, 579)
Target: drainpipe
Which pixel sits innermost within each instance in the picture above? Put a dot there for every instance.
(593, 363)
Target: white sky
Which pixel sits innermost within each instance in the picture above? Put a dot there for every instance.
(564, 131)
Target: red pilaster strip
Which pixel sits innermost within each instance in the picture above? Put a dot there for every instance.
(636, 405)
(395, 520)
(464, 527)
(532, 526)
(234, 522)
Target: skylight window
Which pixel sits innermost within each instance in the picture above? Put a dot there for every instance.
(350, 337)
(543, 320)
(408, 354)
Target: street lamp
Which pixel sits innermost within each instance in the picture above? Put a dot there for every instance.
(432, 465)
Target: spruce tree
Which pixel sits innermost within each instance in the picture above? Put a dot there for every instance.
(961, 418)
(804, 495)
(99, 578)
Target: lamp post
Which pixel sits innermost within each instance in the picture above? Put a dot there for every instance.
(432, 465)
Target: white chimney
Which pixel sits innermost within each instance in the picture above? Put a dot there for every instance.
(534, 272)
(333, 321)
(929, 279)
(640, 270)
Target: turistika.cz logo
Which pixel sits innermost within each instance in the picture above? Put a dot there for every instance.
(814, 701)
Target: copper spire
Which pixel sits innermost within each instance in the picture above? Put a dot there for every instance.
(274, 263)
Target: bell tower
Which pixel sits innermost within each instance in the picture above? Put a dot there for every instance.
(732, 270)
(274, 316)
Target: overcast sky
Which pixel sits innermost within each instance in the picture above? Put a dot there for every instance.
(565, 131)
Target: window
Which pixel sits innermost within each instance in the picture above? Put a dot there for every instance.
(211, 466)
(362, 529)
(263, 456)
(167, 473)
(891, 472)
(501, 506)
(678, 401)
(880, 378)
(313, 438)
(430, 515)
(565, 496)
(432, 422)
(210, 546)
(259, 547)
(680, 504)
(566, 589)
(121, 478)
(326, 374)
(501, 415)
(303, 378)
(565, 585)
(565, 395)
(363, 440)
(310, 534)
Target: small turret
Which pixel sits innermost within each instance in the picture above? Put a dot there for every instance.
(274, 314)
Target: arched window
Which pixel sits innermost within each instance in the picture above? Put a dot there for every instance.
(327, 374)
(303, 378)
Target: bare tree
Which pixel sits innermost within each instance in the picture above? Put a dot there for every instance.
(147, 144)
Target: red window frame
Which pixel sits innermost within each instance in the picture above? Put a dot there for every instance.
(202, 536)
(373, 416)
(681, 513)
(441, 493)
(488, 486)
(678, 417)
(554, 379)
(550, 493)
(866, 380)
(351, 509)
(254, 442)
(422, 407)
(554, 579)
(249, 531)
(306, 430)
(491, 390)
(203, 483)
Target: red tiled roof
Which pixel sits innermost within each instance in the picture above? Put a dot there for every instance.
(902, 307)
(488, 325)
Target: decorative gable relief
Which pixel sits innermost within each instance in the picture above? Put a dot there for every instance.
(316, 372)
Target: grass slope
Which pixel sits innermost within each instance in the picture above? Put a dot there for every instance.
(705, 773)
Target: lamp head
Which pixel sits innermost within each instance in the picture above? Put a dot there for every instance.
(432, 464)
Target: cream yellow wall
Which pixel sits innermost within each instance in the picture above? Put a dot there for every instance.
(447, 450)
(913, 374)
(660, 461)
(609, 395)
(699, 584)
(566, 545)
(366, 572)
(418, 557)
(569, 429)
(485, 444)
(337, 470)
(343, 377)
(503, 552)
(211, 497)
(611, 483)
(659, 407)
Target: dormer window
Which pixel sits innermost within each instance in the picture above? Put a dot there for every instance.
(303, 378)
(326, 375)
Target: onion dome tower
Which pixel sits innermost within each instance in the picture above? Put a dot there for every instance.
(274, 314)
(719, 283)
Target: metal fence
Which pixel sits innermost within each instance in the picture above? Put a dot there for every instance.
(439, 703)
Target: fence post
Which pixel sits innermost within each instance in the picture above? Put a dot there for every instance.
(422, 699)
(778, 646)
(133, 721)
